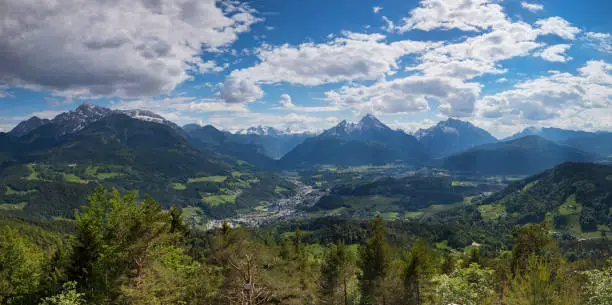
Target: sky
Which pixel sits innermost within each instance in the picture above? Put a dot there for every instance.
(306, 65)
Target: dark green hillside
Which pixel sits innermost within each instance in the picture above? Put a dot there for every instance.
(573, 197)
(527, 155)
(145, 146)
(43, 175)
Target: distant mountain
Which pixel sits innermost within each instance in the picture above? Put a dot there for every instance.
(84, 115)
(452, 136)
(527, 155)
(28, 125)
(572, 197)
(209, 138)
(554, 134)
(263, 131)
(593, 142)
(121, 140)
(367, 142)
(598, 143)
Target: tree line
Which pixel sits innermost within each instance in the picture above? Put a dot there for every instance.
(125, 251)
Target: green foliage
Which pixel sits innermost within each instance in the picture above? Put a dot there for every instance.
(420, 266)
(375, 259)
(467, 286)
(339, 276)
(598, 289)
(21, 266)
(534, 286)
(68, 296)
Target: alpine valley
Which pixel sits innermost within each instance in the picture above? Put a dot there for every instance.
(453, 184)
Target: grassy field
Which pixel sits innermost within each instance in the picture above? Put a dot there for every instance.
(570, 206)
(491, 212)
(178, 186)
(465, 183)
(215, 200)
(93, 172)
(33, 173)
(74, 179)
(13, 207)
(10, 191)
(215, 179)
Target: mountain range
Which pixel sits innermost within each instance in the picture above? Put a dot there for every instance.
(367, 142)
(526, 155)
(452, 136)
(451, 144)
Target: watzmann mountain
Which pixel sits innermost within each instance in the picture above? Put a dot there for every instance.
(367, 142)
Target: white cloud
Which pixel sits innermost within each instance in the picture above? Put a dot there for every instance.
(557, 26)
(409, 95)
(3, 92)
(286, 103)
(410, 126)
(126, 48)
(553, 98)
(532, 7)
(208, 67)
(600, 41)
(182, 109)
(352, 57)
(238, 90)
(556, 53)
(292, 121)
(465, 15)
(376, 9)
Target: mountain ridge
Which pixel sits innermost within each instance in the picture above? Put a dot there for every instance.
(452, 136)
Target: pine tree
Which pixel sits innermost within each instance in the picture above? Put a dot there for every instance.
(337, 274)
(375, 258)
(420, 265)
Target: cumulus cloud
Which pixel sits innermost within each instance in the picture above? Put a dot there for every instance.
(376, 9)
(240, 90)
(532, 7)
(556, 53)
(557, 26)
(556, 96)
(286, 103)
(409, 95)
(600, 41)
(352, 57)
(181, 109)
(465, 15)
(126, 48)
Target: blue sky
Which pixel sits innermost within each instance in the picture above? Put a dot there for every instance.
(305, 65)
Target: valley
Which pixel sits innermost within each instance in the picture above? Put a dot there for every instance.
(260, 176)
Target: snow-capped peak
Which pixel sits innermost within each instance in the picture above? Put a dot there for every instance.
(264, 131)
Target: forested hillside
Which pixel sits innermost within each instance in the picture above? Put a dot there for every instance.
(124, 251)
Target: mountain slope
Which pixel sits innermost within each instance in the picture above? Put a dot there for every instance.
(553, 134)
(527, 155)
(209, 138)
(85, 114)
(121, 140)
(274, 143)
(28, 125)
(452, 136)
(598, 143)
(574, 197)
(367, 142)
